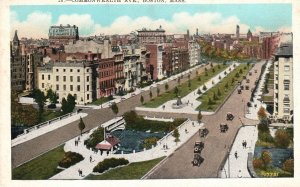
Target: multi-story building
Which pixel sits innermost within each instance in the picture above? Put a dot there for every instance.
(32, 61)
(147, 36)
(283, 85)
(155, 65)
(17, 66)
(61, 34)
(194, 53)
(106, 77)
(75, 77)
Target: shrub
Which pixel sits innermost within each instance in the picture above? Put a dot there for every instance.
(265, 137)
(258, 163)
(210, 102)
(215, 97)
(206, 74)
(109, 163)
(237, 75)
(282, 138)
(204, 87)
(266, 158)
(213, 70)
(220, 77)
(199, 92)
(199, 78)
(219, 92)
(288, 165)
(148, 142)
(261, 113)
(263, 125)
(70, 159)
(166, 86)
(114, 108)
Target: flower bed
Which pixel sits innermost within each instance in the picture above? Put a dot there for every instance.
(109, 163)
(70, 159)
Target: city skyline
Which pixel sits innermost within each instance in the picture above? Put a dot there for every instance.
(34, 21)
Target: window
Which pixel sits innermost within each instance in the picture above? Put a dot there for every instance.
(78, 88)
(286, 110)
(87, 87)
(87, 78)
(87, 70)
(64, 87)
(88, 96)
(71, 70)
(42, 76)
(78, 70)
(286, 68)
(57, 78)
(42, 85)
(78, 78)
(57, 87)
(286, 77)
(64, 78)
(75, 95)
(64, 70)
(286, 86)
(56, 70)
(71, 78)
(71, 87)
(48, 77)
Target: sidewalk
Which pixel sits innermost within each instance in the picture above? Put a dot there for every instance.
(156, 152)
(252, 111)
(250, 135)
(45, 129)
(190, 101)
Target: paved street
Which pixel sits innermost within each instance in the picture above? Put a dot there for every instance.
(216, 144)
(30, 149)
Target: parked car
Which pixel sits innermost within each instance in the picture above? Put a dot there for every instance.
(133, 94)
(247, 81)
(239, 91)
(229, 116)
(198, 147)
(52, 106)
(255, 71)
(250, 73)
(223, 127)
(123, 98)
(247, 87)
(197, 160)
(203, 132)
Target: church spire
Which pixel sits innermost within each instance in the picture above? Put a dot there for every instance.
(16, 39)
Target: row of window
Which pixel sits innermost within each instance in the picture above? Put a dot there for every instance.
(65, 78)
(71, 70)
(106, 73)
(71, 87)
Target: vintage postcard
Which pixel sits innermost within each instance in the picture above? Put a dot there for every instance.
(125, 92)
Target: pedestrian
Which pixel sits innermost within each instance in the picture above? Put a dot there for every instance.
(245, 144)
(166, 146)
(75, 143)
(193, 124)
(107, 152)
(186, 131)
(79, 172)
(240, 174)
(91, 158)
(78, 138)
(235, 155)
(101, 152)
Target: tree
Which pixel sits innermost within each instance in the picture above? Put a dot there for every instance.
(114, 108)
(176, 90)
(189, 84)
(166, 86)
(220, 77)
(237, 75)
(64, 105)
(150, 94)
(211, 65)
(226, 85)
(199, 92)
(199, 78)
(199, 117)
(219, 67)
(157, 91)
(204, 87)
(215, 97)
(210, 102)
(142, 99)
(213, 70)
(282, 138)
(261, 113)
(206, 74)
(225, 72)
(52, 96)
(266, 158)
(68, 105)
(81, 126)
(176, 135)
(40, 99)
(241, 71)
(219, 92)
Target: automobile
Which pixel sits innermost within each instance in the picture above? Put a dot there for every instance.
(247, 81)
(247, 87)
(255, 71)
(203, 132)
(229, 116)
(79, 110)
(242, 87)
(250, 73)
(244, 77)
(198, 147)
(133, 94)
(197, 160)
(52, 106)
(223, 127)
(239, 91)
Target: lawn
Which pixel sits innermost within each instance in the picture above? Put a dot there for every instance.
(224, 92)
(184, 88)
(42, 167)
(267, 98)
(101, 100)
(132, 171)
(50, 114)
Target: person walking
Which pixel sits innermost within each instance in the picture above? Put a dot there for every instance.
(235, 155)
(91, 158)
(239, 174)
(79, 172)
(245, 144)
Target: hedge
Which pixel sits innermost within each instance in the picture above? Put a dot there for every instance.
(109, 163)
(70, 158)
(95, 138)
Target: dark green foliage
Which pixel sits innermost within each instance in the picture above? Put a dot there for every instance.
(176, 91)
(114, 108)
(241, 70)
(206, 74)
(237, 75)
(199, 78)
(138, 123)
(288, 166)
(219, 92)
(81, 125)
(215, 97)
(68, 105)
(40, 99)
(52, 96)
(265, 137)
(148, 142)
(109, 163)
(204, 87)
(189, 84)
(176, 135)
(96, 137)
(70, 159)
(210, 102)
(263, 125)
(213, 70)
(150, 94)
(226, 85)
(199, 92)
(166, 86)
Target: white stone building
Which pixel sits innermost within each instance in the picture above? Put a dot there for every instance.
(194, 53)
(283, 85)
(75, 78)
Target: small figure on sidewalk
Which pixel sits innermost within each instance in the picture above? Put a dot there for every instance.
(167, 146)
(240, 174)
(101, 152)
(75, 143)
(186, 131)
(193, 124)
(235, 155)
(79, 172)
(107, 152)
(91, 158)
(245, 144)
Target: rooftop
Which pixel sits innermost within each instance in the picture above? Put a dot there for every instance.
(285, 49)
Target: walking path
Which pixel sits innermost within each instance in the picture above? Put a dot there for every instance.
(156, 152)
(257, 103)
(190, 102)
(45, 129)
(237, 167)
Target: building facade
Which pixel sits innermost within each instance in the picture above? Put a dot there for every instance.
(194, 53)
(146, 36)
(77, 78)
(283, 85)
(61, 34)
